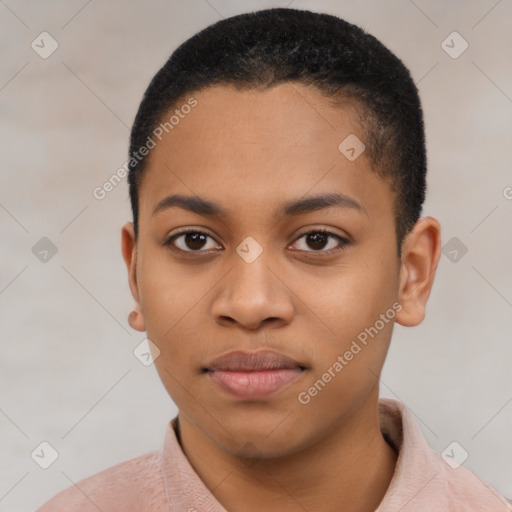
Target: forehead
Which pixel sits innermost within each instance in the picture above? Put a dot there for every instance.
(250, 148)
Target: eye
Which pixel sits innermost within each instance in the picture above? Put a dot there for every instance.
(323, 241)
(318, 240)
(190, 241)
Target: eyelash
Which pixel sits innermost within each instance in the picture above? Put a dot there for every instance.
(342, 242)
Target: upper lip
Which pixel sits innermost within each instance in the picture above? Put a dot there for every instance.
(253, 361)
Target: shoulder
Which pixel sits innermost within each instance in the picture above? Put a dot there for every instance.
(468, 492)
(424, 477)
(131, 485)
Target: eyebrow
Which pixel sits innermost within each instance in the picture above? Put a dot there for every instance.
(301, 206)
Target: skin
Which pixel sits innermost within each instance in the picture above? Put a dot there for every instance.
(251, 151)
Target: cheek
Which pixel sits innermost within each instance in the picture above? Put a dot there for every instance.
(345, 372)
(350, 298)
(357, 309)
(170, 300)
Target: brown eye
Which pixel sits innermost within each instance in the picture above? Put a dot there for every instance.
(322, 241)
(317, 241)
(194, 241)
(191, 241)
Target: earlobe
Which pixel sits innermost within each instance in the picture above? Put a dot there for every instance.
(129, 251)
(136, 318)
(420, 256)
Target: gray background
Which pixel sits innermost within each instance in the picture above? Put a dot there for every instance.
(68, 374)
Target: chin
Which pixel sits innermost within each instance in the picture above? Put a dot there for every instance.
(250, 442)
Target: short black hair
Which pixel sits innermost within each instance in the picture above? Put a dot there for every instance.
(261, 49)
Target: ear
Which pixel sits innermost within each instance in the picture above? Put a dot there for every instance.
(129, 250)
(421, 250)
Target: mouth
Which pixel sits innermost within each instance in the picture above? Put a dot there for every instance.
(254, 375)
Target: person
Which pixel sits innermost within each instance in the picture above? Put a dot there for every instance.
(277, 177)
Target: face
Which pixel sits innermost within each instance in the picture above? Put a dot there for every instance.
(282, 285)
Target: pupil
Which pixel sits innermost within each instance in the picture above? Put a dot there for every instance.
(317, 240)
(195, 240)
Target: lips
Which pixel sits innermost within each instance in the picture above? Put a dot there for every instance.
(254, 375)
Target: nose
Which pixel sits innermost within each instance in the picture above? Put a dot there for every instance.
(253, 296)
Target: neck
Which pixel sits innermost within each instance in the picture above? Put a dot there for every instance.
(348, 470)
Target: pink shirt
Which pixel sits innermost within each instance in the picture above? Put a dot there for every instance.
(164, 481)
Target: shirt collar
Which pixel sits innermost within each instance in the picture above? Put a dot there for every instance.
(417, 464)
(186, 491)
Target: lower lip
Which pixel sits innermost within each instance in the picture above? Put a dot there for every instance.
(254, 385)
